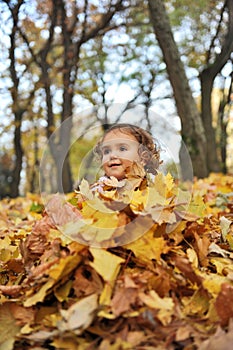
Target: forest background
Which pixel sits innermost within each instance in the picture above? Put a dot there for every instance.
(69, 68)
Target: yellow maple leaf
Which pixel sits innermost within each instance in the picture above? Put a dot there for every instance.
(108, 266)
(223, 265)
(56, 272)
(62, 292)
(101, 229)
(90, 207)
(155, 198)
(84, 189)
(149, 247)
(40, 295)
(164, 184)
(213, 282)
(64, 267)
(198, 304)
(106, 263)
(8, 327)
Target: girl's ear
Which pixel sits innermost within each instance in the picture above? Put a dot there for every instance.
(145, 157)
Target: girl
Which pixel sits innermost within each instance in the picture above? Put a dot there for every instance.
(123, 151)
(121, 147)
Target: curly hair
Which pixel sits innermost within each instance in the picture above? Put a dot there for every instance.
(149, 151)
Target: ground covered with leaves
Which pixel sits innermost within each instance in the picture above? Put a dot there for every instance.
(89, 272)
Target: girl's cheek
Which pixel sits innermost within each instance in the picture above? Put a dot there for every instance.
(105, 159)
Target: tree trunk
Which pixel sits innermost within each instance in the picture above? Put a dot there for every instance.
(224, 111)
(18, 156)
(16, 101)
(206, 112)
(72, 40)
(192, 131)
(207, 77)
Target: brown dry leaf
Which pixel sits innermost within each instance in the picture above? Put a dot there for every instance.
(123, 299)
(107, 344)
(202, 248)
(69, 342)
(61, 211)
(221, 340)
(12, 291)
(125, 295)
(87, 281)
(184, 265)
(134, 229)
(224, 303)
(161, 281)
(163, 214)
(183, 333)
(113, 182)
(165, 306)
(79, 316)
(183, 259)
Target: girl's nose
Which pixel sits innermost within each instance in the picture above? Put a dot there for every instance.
(113, 155)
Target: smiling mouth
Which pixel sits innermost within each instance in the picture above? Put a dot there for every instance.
(114, 165)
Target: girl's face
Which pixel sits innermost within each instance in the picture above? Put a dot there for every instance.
(119, 151)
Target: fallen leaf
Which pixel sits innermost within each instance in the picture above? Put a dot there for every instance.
(149, 247)
(106, 264)
(221, 340)
(165, 306)
(8, 327)
(224, 303)
(79, 316)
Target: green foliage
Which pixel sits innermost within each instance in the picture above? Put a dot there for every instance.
(196, 24)
(37, 207)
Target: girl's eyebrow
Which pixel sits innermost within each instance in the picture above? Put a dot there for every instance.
(105, 146)
(108, 144)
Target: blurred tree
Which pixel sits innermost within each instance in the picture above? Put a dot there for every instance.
(6, 174)
(192, 128)
(223, 118)
(53, 45)
(68, 55)
(219, 52)
(69, 25)
(19, 107)
(197, 133)
(206, 47)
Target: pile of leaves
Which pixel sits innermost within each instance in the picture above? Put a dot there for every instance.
(130, 267)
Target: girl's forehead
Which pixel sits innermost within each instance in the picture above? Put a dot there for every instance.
(119, 136)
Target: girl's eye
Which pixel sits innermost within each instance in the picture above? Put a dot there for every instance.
(106, 151)
(123, 148)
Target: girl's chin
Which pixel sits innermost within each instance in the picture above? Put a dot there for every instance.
(118, 175)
